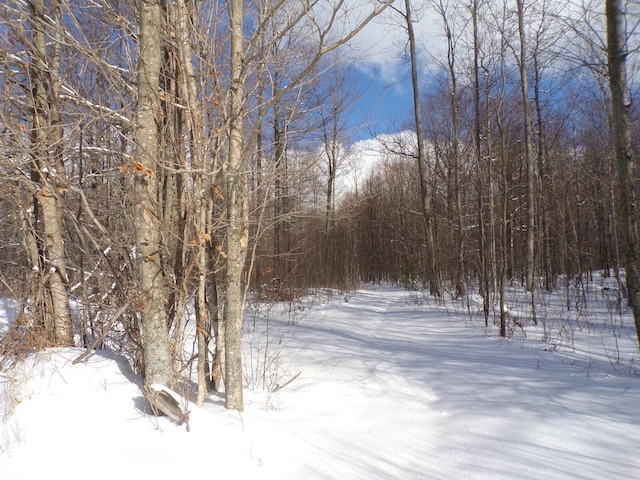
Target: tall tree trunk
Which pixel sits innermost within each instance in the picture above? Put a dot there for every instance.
(237, 217)
(431, 271)
(329, 126)
(279, 139)
(621, 103)
(477, 144)
(195, 126)
(504, 228)
(151, 298)
(528, 141)
(455, 154)
(504, 187)
(48, 158)
(543, 184)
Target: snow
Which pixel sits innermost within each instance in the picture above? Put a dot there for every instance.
(391, 385)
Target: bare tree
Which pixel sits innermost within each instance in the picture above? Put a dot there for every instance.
(528, 158)
(332, 98)
(432, 274)
(621, 103)
(151, 295)
(480, 186)
(237, 215)
(456, 157)
(48, 164)
(326, 34)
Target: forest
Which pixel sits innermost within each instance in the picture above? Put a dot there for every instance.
(167, 158)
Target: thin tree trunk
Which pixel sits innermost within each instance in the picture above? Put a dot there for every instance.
(217, 324)
(453, 102)
(331, 149)
(504, 174)
(484, 273)
(195, 126)
(280, 195)
(545, 241)
(432, 274)
(621, 103)
(528, 140)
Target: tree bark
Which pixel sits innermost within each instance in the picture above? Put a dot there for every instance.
(237, 218)
(47, 142)
(151, 295)
(504, 187)
(621, 104)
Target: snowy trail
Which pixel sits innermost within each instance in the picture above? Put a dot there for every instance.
(407, 392)
(355, 395)
(390, 388)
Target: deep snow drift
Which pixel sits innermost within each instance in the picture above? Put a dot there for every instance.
(391, 386)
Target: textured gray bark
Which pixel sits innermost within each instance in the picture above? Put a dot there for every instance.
(621, 103)
(237, 219)
(151, 298)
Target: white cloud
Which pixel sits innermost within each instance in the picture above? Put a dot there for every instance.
(380, 50)
(364, 155)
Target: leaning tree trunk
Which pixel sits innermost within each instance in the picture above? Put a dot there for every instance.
(621, 104)
(151, 298)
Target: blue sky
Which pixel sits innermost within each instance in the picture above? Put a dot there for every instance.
(383, 72)
(385, 107)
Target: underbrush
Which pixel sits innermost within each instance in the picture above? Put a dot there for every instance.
(586, 319)
(269, 323)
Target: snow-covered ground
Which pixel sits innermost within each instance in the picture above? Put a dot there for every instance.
(391, 386)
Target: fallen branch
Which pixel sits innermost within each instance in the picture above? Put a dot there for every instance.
(168, 402)
(280, 387)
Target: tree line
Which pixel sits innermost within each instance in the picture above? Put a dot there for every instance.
(163, 159)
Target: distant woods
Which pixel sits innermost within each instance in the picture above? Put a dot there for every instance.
(175, 157)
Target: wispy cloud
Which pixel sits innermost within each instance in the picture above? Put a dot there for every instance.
(380, 49)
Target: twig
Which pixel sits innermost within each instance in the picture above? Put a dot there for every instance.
(280, 387)
(120, 311)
